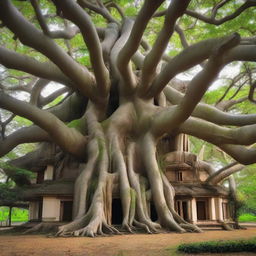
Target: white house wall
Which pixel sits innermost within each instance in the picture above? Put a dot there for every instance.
(51, 209)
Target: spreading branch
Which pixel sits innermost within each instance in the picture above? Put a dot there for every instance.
(134, 40)
(68, 33)
(174, 116)
(46, 70)
(196, 54)
(29, 35)
(175, 10)
(76, 14)
(210, 113)
(224, 173)
(57, 130)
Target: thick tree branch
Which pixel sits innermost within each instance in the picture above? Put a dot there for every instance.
(229, 140)
(69, 33)
(210, 113)
(111, 35)
(170, 119)
(77, 15)
(216, 134)
(134, 40)
(196, 54)
(251, 93)
(125, 34)
(36, 91)
(32, 37)
(224, 172)
(24, 135)
(175, 10)
(240, 153)
(46, 70)
(71, 108)
(67, 138)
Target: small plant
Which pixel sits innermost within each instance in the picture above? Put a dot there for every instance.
(219, 246)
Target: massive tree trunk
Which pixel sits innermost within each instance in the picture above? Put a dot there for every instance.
(120, 108)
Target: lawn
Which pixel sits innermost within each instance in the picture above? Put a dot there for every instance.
(247, 217)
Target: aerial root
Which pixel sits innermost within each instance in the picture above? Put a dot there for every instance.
(190, 227)
(91, 230)
(149, 228)
(128, 227)
(43, 227)
(226, 226)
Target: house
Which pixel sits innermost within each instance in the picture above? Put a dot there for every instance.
(196, 201)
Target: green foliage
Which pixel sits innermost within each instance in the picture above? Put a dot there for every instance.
(246, 184)
(219, 246)
(245, 107)
(9, 194)
(247, 217)
(18, 215)
(18, 175)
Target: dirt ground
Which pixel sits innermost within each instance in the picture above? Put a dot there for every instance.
(122, 245)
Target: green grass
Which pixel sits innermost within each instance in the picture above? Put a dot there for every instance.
(18, 215)
(247, 217)
(219, 246)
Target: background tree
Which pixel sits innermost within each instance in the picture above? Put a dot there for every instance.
(118, 63)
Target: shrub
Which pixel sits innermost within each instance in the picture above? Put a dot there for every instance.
(219, 246)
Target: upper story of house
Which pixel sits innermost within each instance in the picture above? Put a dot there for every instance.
(184, 167)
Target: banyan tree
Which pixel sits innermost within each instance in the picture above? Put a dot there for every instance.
(123, 113)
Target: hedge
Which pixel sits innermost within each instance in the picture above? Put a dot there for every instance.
(219, 246)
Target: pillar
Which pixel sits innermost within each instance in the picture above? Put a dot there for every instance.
(212, 208)
(219, 209)
(33, 210)
(193, 210)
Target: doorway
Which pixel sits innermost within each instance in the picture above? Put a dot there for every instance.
(66, 210)
(153, 213)
(117, 212)
(201, 206)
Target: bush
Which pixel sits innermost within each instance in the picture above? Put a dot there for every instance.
(247, 217)
(219, 246)
(18, 215)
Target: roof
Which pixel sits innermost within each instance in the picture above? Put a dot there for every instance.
(19, 204)
(65, 188)
(199, 189)
(50, 188)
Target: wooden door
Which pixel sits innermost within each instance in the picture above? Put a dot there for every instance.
(201, 210)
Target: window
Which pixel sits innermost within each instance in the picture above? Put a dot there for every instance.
(179, 176)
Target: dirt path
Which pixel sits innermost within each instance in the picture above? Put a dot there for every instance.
(124, 245)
